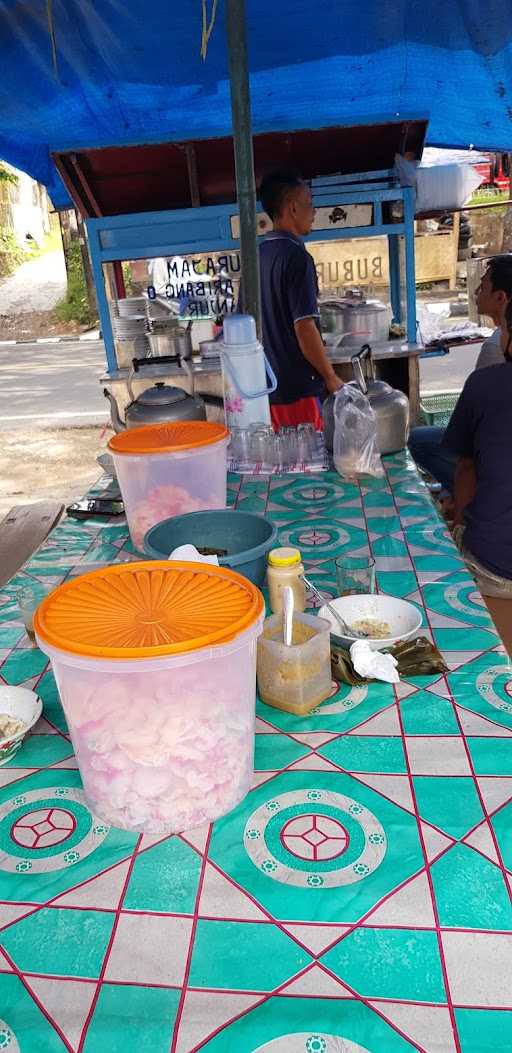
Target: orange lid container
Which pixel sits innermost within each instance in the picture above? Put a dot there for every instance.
(168, 438)
(147, 610)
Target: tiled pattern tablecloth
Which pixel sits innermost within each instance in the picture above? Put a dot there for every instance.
(357, 901)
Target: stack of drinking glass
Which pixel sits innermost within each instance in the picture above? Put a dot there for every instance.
(259, 449)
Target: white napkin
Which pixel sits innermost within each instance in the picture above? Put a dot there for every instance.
(373, 665)
(189, 554)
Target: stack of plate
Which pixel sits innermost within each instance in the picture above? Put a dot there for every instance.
(132, 306)
(130, 337)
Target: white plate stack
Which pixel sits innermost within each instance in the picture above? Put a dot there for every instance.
(132, 306)
(130, 337)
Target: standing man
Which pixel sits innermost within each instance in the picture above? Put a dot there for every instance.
(290, 315)
(492, 298)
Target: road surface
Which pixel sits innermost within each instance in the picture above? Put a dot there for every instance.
(58, 383)
(37, 285)
(52, 384)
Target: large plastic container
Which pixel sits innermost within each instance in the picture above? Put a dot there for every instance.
(156, 669)
(169, 469)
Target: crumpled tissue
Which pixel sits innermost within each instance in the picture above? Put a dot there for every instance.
(373, 664)
(189, 554)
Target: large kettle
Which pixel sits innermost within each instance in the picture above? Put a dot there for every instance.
(160, 403)
(391, 406)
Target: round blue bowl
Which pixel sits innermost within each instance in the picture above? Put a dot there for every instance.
(246, 537)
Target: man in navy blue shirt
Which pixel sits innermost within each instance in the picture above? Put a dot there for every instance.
(291, 330)
(480, 436)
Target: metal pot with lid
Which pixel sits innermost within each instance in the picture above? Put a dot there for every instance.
(391, 406)
(160, 403)
(354, 320)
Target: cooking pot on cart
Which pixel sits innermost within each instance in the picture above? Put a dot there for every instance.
(391, 406)
(353, 320)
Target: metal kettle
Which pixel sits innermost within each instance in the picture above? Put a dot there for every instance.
(160, 403)
(391, 406)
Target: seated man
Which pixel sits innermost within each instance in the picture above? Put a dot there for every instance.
(479, 436)
(492, 297)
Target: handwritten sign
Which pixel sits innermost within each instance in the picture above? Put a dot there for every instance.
(204, 285)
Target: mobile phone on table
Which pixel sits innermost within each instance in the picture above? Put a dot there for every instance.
(96, 506)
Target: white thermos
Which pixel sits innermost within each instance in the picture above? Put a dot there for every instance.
(245, 369)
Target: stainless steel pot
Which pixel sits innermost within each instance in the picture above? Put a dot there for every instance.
(170, 339)
(391, 406)
(332, 316)
(356, 321)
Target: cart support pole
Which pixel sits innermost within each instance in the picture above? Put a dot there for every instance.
(236, 33)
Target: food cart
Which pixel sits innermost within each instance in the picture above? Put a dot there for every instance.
(121, 191)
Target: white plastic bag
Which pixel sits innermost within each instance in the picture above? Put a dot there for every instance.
(355, 435)
(439, 187)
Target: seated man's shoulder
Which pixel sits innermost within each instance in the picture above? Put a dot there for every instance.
(490, 376)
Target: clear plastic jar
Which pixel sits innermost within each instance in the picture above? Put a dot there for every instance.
(285, 567)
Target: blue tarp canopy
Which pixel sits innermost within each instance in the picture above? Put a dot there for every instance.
(96, 73)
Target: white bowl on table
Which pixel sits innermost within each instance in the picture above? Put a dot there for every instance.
(20, 704)
(403, 618)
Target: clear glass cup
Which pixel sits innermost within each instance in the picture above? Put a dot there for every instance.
(260, 444)
(277, 452)
(29, 597)
(306, 442)
(240, 445)
(355, 574)
(289, 436)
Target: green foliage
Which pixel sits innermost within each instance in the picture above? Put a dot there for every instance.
(75, 307)
(11, 253)
(6, 176)
(127, 278)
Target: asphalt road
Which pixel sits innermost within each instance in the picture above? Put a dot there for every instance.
(57, 384)
(52, 384)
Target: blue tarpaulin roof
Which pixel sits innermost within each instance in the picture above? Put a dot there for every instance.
(116, 72)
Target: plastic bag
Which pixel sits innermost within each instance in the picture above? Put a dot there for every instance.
(355, 435)
(438, 187)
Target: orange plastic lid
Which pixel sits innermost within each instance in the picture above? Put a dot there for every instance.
(145, 610)
(168, 438)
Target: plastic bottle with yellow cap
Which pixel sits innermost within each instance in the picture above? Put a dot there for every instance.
(285, 567)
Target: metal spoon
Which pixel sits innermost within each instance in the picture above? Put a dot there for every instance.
(288, 605)
(346, 629)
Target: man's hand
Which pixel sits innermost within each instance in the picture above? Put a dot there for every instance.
(333, 384)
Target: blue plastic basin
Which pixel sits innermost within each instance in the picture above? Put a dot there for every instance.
(246, 537)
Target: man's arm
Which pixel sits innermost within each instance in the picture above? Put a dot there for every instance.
(312, 347)
(464, 488)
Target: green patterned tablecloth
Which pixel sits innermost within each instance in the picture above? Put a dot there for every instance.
(357, 901)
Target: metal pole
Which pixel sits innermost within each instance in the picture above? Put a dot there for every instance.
(244, 159)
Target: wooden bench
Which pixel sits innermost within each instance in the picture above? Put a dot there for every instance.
(22, 532)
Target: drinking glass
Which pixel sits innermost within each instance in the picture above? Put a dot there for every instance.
(306, 442)
(260, 439)
(29, 597)
(240, 445)
(289, 435)
(277, 452)
(355, 574)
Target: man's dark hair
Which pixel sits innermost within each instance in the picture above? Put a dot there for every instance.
(500, 272)
(275, 187)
